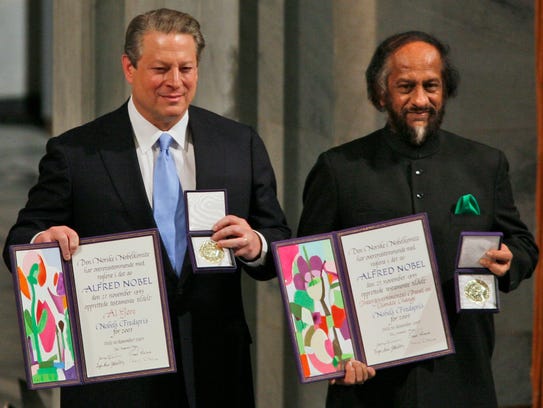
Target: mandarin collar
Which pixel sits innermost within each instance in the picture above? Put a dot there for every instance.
(400, 146)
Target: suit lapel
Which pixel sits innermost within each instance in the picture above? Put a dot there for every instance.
(207, 149)
(119, 157)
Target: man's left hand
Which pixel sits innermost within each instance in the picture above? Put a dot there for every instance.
(234, 232)
(356, 372)
(498, 261)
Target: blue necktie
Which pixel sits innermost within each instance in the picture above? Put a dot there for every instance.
(168, 205)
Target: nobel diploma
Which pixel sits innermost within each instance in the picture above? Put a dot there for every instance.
(391, 273)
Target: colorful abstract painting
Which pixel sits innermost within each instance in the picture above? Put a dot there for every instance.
(49, 348)
(316, 308)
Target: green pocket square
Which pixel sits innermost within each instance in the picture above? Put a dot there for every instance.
(467, 204)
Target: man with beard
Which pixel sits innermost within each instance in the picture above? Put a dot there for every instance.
(412, 166)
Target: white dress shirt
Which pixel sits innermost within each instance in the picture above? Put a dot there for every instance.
(182, 151)
(147, 150)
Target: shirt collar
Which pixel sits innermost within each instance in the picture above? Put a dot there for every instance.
(147, 134)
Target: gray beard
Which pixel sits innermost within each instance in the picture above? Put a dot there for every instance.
(418, 135)
(415, 135)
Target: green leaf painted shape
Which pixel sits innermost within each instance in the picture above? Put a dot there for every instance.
(33, 274)
(295, 310)
(302, 298)
(29, 326)
(43, 321)
(300, 325)
(68, 328)
(338, 299)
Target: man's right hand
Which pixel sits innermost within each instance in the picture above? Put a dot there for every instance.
(67, 239)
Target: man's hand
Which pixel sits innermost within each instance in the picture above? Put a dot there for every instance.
(356, 372)
(498, 261)
(67, 239)
(234, 232)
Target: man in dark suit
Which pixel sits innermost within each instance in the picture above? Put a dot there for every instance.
(412, 166)
(98, 179)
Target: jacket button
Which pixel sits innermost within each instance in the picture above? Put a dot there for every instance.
(420, 196)
(418, 172)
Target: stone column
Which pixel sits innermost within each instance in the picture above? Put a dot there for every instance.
(327, 47)
(354, 43)
(73, 93)
(271, 347)
(73, 68)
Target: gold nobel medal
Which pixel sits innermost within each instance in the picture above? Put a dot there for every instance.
(477, 291)
(211, 252)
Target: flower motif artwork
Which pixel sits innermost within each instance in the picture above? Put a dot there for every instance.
(44, 309)
(316, 307)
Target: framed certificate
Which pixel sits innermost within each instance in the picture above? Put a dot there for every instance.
(370, 292)
(101, 316)
(476, 287)
(317, 315)
(204, 209)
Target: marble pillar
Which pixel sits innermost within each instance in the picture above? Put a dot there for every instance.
(73, 69)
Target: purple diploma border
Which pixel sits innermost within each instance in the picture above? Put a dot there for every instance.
(288, 256)
(45, 266)
(349, 296)
(41, 303)
(320, 332)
